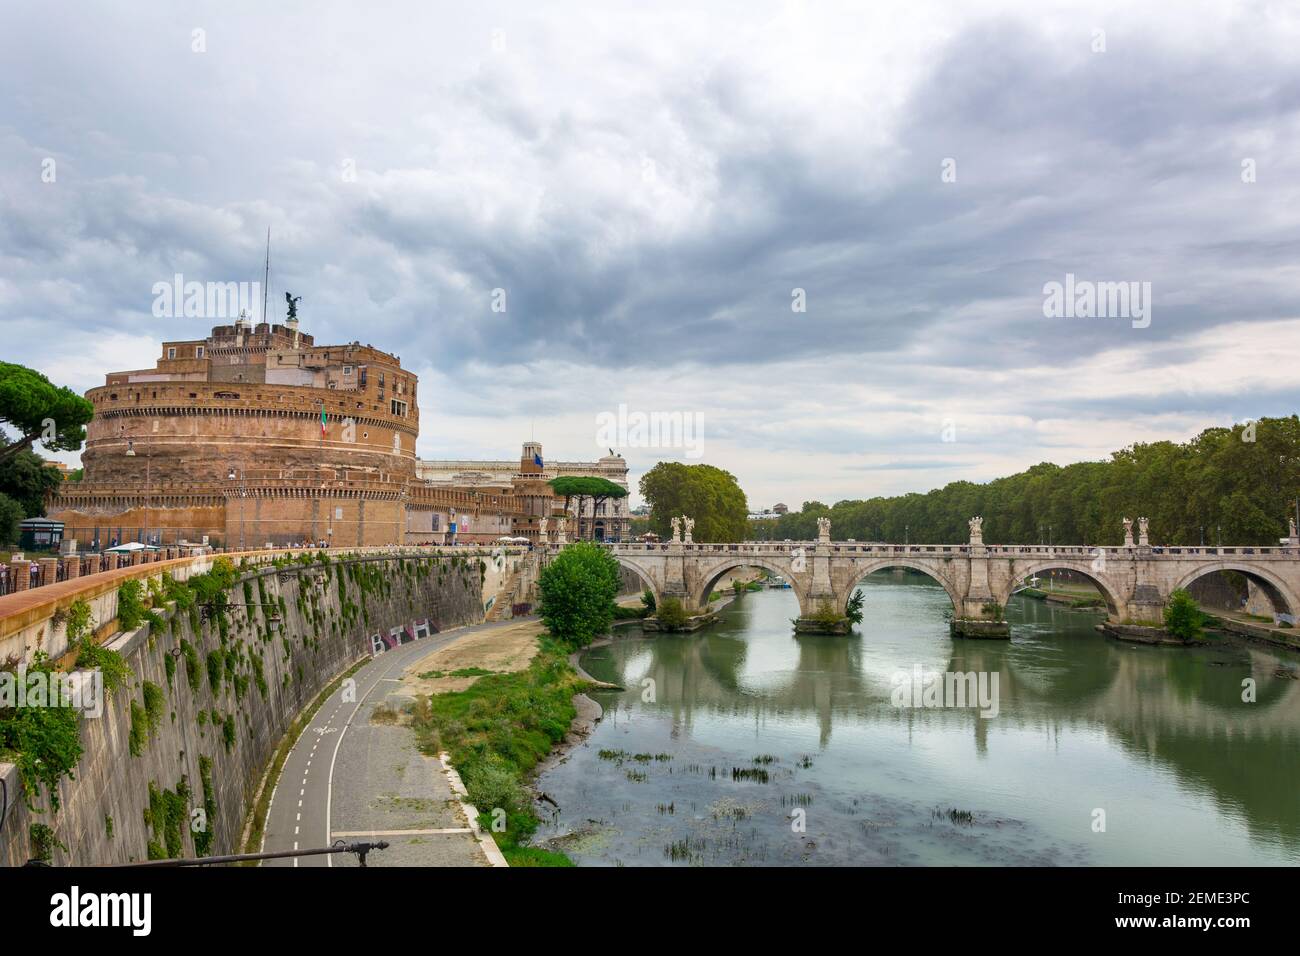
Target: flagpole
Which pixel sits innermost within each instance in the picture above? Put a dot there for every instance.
(266, 276)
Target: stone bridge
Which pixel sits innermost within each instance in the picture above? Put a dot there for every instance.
(1135, 580)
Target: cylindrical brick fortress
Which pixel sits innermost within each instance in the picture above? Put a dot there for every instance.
(254, 435)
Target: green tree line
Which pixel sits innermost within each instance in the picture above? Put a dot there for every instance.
(1239, 483)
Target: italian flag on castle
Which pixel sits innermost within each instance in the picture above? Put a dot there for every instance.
(323, 419)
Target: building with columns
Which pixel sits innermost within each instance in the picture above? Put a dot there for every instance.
(526, 479)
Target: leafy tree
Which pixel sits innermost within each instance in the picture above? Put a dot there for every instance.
(11, 516)
(578, 590)
(826, 615)
(707, 494)
(41, 411)
(582, 488)
(854, 610)
(1183, 617)
(672, 616)
(26, 478)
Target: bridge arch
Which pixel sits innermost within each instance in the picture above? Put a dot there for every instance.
(1281, 597)
(860, 573)
(711, 574)
(1115, 603)
(640, 571)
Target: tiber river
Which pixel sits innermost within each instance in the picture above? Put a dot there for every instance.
(750, 746)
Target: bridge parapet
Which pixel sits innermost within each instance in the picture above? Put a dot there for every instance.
(1135, 580)
(1152, 552)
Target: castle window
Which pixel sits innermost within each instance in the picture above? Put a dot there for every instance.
(171, 353)
(399, 408)
(347, 370)
(113, 396)
(198, 351)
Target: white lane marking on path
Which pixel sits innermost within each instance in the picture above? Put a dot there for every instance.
(329, 785)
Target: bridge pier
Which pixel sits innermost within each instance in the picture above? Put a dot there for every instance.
(981, 614)
(977, 628)
(820, 610)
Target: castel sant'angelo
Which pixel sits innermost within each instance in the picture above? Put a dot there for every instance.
(258, 436)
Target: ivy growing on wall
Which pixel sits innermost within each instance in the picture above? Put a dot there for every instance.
(166, 815)
(203, 837)
(44, 742)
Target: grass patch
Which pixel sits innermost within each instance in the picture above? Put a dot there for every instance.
(460, 672)
(496, 732)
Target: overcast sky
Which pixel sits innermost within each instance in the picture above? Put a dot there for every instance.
(650, 183)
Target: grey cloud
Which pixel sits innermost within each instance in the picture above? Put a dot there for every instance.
(517, 172)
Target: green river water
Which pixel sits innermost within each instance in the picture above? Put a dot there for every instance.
(744, 745)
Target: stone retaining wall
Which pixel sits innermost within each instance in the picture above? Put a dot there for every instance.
(331, 613)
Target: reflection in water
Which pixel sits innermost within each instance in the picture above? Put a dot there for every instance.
(1158, 738)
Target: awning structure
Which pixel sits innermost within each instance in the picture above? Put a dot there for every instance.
(129, 547)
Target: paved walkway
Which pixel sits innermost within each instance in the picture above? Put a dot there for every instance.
(350, 779)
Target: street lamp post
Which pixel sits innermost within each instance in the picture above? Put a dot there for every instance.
(148, 480)
(243, 493)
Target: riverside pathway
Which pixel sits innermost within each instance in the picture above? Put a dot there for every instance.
(348, 778)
